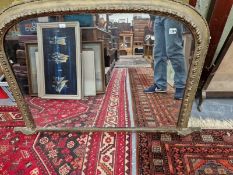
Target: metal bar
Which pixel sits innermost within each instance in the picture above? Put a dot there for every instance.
(97, 129)
(180, 131)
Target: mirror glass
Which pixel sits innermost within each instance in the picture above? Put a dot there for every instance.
(101, 70)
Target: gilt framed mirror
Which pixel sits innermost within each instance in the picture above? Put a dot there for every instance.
(123, 106)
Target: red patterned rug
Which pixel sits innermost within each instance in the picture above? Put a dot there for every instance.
(71, 153)
(65, 113)
(10, 116)
(93, 153)
(152, 110)
(114, 110)
(201, 153)
(109, 110)
(65, 153)
(16, 154)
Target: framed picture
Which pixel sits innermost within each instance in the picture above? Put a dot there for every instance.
(59, 60)
(88, 74)
(98, 48)
(31, 47)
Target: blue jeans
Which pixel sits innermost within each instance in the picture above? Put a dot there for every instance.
(168, 45)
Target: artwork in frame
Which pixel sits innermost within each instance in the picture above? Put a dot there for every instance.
(88, 72)
(31, 47)
(59, 60)
(98, 48)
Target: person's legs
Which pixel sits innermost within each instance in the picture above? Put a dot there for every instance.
(174, 48)
(160, 59)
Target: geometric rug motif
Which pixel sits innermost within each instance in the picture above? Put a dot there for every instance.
(84, 153)
(62, 153)
(144, 153)
(60, 112)
(114, 110)
(108, 153)
(10, 116)
(203, 159)
(152, 110)
(208, 152)
(16, 154)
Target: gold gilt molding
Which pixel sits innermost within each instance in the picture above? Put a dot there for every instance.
(174, 9)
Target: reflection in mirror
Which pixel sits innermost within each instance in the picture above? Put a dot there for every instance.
(101, 70)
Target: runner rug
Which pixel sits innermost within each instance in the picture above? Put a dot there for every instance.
(65, 153)
(10, 116)
(152, 110)
(104, 110)
(200, 153)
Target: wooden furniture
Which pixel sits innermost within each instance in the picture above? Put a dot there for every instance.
(139, 26)
(148, 52)
(97, 34)
(126, 43)
(16, 48)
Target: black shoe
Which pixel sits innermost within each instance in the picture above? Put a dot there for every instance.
(154, 88)
(179, 94)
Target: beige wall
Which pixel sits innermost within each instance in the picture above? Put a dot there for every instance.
(223, 78)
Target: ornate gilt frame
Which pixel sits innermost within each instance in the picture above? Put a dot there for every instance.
(34, 8)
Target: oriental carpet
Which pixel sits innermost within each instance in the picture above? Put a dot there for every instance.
(61, 112)
(10, 116)
(200, 153)
(111, 109)
(16, 154)
(152, 110)
(84, 153)
(65, 153)
(104, 110)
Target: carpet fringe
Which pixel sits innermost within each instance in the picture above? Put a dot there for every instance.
(209, 123)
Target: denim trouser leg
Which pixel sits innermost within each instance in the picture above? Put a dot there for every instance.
(160, 57)
(174, 47)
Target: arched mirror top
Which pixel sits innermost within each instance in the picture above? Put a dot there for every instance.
(173, 9)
